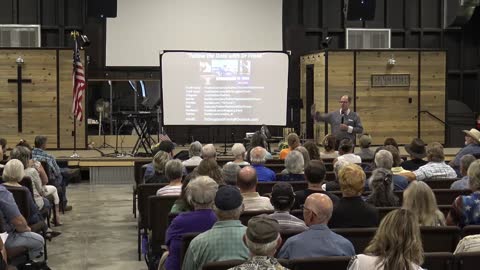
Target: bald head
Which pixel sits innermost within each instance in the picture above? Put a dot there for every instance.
(247, 179)
(317, 209)
(258, 155)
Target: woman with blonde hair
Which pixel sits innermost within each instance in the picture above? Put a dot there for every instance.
(420, 199)
(329, 144)
(397, 245)
(158, 164)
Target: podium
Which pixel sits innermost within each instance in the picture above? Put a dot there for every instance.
(399, 93)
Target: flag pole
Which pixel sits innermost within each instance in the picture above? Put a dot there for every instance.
(74, 35)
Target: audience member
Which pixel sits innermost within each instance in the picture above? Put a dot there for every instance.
(365, 152)
(293, 142)
(315, 176)
(230, 173)
(200, 193)
(257, 140)
(294, 167)
(312, 149)
(384, 160)
(194, 152)
(19, 233)
(3, 149)
(329, 145)
(238, 152)
(435, 168)
(181, 204)
(258, 159)
(165, 146)
(282, 200)
(224, 240)
(247, 183)
(351, 211)
(463, 183)
(345, 152)
(397, 160)
(390, 141)
(319, 240)
(470, 243)
(381, 186)
(416, 150)
(472, 147)
(335, 185)
(173, 173)
(466, 209)
(397, 245)
(155, 171)
(209, 167)
(305, 154)
(262, 239)
(420, 200)
(209, 152)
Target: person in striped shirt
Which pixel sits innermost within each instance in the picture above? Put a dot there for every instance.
(173, 172)
(282, 200)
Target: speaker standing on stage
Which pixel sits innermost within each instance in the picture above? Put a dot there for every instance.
(344, 122)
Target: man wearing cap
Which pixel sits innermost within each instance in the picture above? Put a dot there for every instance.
(282, 200)
(247, 183)
(365, 152)
(319, 240)
(262, 239)
(435, 168)
(472, 147)
(417, 152)
(224, 240)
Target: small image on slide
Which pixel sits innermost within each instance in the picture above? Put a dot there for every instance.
(245, 66)
(205, 67)
(225, 67)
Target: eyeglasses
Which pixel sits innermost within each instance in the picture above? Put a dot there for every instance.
(343, 102)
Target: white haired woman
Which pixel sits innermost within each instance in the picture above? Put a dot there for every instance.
(294, 167)
(238, 152)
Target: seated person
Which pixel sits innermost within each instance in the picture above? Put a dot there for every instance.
(293, 142)
(305, 154)
(282, 200)
(365, 152)
(351, 211)
(200, 193)
(381, 185)
(397, 244)
(230, 173)
(472, 147)
(397, 160)
(466, 208)
(181, 204)
(345, 152)
(258, 159)
(470, 243)
(209, 152)
(335, 185)
(257, 140)
(390, 141)
(315, 176)
(312, 149)
(155, 171)
(417, 152)
(238, 152)
(262, 239)
(319, 240)
(420, 200)
(463, 183)
(209, 167)
(384, 160)
(247, 183)
(3, 150)
(294, 167)
(194, 152)
(173, 173)
(329, 145)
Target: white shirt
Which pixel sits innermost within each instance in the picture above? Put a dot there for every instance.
(193, 161)
(366, 262)
(352, 158)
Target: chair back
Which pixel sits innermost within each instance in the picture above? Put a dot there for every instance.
(20, 195)
(27, 182)
(326, 262)
(440, 238)
(470, 230)
(438, 261)
(48, 172)
(298, 213)
(247, 215)
(360, 237)
(467, 260)
(139, 171)
(447, 196)
(158, 210)
(145, 191)
(384, 210)
(266, 187)
(440, 183)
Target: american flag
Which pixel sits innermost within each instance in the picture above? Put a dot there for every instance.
(78, 83)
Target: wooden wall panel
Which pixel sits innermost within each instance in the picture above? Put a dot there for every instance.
(66, 98)
(39, 97)
(389, 111)
(432, 96)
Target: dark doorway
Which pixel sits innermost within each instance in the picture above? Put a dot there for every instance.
(309, 101)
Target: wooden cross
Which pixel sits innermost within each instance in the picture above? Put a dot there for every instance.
(19, 82)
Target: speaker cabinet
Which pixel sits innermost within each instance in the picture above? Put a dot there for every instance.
(361, 10)
(102, 8)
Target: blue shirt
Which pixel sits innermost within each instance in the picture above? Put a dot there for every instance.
(264, 174)
(8, 209)
(472, 149)
(195, 221)
(463, 183)
(400, 182)
(318, 241)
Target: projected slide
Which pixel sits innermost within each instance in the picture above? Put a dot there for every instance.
(212, 88)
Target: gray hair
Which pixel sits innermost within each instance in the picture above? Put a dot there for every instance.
(473, 175)
(173, 169)
(260, 249)
(258, 155)
(230, 172)
(339, 165)
(305, 154)
(21, 153)
(380, 175)
(238, 150)
(294, 162)
(465, 161)
(40, 141)
(384, 159)
(209, 151)
(233, 214)
(13, 171)
(201, 191)
(195, 149)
